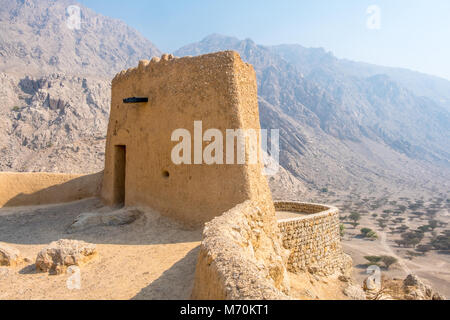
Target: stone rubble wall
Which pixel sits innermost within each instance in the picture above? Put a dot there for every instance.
(313, 240)
(241, 258)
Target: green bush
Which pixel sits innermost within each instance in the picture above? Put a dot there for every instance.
(374, 260)
(355, 216)
(372, 235)
(442, 242)
(388, 261)
(342, 230)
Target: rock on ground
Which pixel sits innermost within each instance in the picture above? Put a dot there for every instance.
(9, 256)
(412, 288)
(415, 289)
(64, 253)
(117, 218)
(355, 292)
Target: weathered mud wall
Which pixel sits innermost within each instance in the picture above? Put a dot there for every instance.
(25, 189)
(241, 257)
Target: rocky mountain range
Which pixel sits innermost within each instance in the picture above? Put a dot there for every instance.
(37, 39)
(55, 84)
(344, 125)
(342, 128)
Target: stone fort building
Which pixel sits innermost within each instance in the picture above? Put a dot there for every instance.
(246, 251)
(218, 89)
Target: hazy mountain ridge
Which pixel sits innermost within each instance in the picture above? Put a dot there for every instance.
(35, 39)
(55, 84)
(345, 106)
(338, 129)
(328, 114)
(307, 59)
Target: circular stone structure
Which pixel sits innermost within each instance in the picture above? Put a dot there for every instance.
(311, 233)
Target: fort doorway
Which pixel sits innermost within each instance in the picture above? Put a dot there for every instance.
(120, 158)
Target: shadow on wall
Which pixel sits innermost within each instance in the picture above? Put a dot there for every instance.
(29, 189)
(175, 283)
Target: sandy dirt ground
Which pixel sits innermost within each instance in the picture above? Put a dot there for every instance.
(152, 258)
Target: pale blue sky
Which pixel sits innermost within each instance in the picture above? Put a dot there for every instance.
(414, 34)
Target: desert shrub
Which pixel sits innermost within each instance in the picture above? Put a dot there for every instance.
(412, 238)
(411, 254)
(355, 217)
(354, 224)
(425, 228)
(388, 261)
(442, 242)
(373, 260)
(15, 109)
(342, 230)
(414, 206)
(431, 212)
(400, 243)
(324, 190)
(374, 215)
(417, 214)
(399, 220)
(424, 248)
(382, 223)
(372, 235)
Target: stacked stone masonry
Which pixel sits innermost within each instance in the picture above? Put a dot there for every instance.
(313, 239)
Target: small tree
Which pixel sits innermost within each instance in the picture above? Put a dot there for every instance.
(374, 260)
(424, 248)
(342, 230)
(388, 261)
(355, 217)
(433, 224)
(412, 238)
(442, 242)
(425, 228)
(372, 235)
(382, 223)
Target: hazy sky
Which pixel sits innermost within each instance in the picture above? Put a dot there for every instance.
(414, 34)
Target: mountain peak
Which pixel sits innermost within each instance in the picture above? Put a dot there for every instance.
(36, 39)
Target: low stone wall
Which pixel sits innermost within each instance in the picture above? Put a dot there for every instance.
(241, 257)
(314, 239)
(26, 189)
